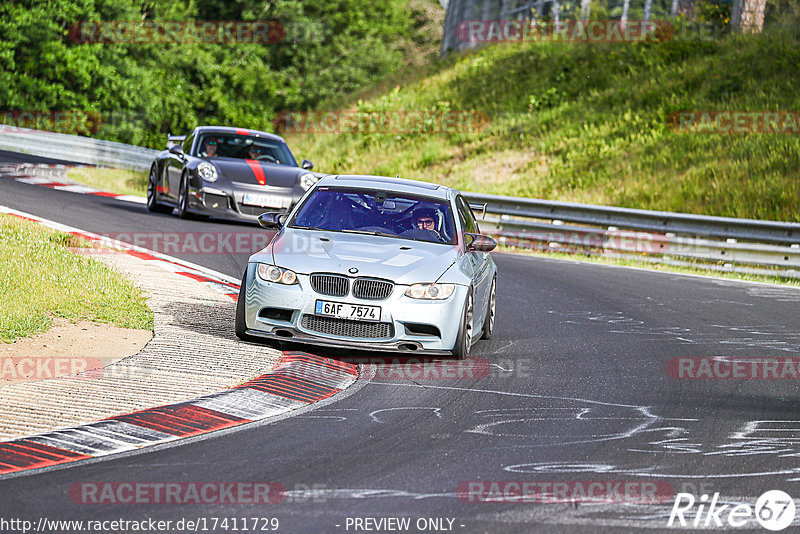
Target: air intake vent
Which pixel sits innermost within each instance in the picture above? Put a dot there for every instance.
(346, 328)
(370, 289)
(333, 285)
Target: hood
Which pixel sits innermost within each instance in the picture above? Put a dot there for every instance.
(250, 171)
(400, 260)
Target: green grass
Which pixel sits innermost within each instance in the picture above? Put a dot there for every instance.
(588, 123)
(120, 181)
(40, 278)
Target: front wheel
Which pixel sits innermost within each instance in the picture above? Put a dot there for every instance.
(240, 325)
(488, 323)
(464, 338)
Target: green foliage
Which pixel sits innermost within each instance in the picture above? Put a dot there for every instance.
(142, 90)
(715, 12)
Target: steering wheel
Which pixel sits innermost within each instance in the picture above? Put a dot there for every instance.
(265, 157)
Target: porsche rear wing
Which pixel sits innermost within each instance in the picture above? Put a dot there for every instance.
(173, 140)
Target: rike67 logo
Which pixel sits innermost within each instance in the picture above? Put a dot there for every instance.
(774, 510)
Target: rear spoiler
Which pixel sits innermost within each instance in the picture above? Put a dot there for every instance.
(173, 140)
(479, 207)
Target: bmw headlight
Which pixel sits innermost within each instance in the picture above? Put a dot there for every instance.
(207, 171)
(270, 273)
(430, 291)
(307, 180)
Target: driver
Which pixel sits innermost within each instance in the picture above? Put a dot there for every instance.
(425, 219)
(210, 148)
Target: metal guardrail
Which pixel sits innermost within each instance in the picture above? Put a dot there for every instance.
(647, 220)
(721, 243)
(718, 242)
(75, 148)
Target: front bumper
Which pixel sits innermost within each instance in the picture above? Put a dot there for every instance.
(227, 200)
(397, 310)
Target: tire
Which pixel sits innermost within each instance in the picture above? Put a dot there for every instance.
(183, 198)
(488, 322)
(152, 193)
(463, 345)
(240, 325)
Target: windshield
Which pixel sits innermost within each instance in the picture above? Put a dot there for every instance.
(377, 213)
(220, 145)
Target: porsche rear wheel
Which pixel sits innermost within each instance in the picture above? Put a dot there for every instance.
(464, 338)
(152, 193)
(183, 197)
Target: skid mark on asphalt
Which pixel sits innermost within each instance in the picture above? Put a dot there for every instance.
(436, 411)
(650, 436)
(633, 419)
(759, 336)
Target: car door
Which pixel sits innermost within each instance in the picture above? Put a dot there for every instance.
(174, 169)
(478, 262)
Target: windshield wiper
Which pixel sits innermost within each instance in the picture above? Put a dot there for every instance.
(368, 232)
(309, 228)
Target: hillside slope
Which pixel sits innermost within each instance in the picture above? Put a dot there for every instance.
(589, 123)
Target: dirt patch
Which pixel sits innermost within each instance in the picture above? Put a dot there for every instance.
(67, 349)
(500, 167)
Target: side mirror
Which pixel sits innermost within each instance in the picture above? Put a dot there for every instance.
(176, 149)
(307, 165)
(479, 243)
(479, 207)
(272, 220)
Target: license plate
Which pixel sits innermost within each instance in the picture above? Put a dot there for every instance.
(342, 310)
(265, 201)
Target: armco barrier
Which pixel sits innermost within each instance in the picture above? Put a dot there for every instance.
(719, 242)
(75, 148)
(647, 220)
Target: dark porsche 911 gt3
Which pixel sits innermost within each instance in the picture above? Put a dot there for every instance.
(227, 172)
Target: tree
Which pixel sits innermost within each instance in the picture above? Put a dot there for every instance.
(748, 15)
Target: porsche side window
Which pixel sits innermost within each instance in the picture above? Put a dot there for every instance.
(187, 143)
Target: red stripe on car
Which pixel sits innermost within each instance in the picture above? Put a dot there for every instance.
(258, 171)
(242, 132)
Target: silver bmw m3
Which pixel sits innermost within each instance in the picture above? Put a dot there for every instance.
(372, 263)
